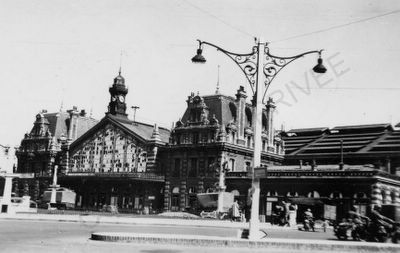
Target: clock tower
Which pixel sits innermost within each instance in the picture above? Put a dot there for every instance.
(118, 91)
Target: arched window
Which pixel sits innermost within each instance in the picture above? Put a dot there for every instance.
(394, 198)
(292, 194)
(272, 193)
(336, 195)
(313, 194)
(235, 193)
(175, 190)
(192, 190)
(360, 195)
(247, 166)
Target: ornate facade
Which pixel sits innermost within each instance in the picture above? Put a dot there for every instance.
(214, 131)
(115, 161)
(41, 148)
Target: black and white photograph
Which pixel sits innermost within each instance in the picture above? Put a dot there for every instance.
(200, 126)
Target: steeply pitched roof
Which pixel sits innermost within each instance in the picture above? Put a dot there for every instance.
(139, 130)
(218, 105)
(144, 130)
(59, 124)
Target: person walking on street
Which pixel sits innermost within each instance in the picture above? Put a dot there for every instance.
(235, 211)
(309, 220)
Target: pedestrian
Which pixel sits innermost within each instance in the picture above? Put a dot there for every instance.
(308, 220)
(292, 215)
(235, 211)
(325, 225)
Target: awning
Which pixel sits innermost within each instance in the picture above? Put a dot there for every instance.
(306, 201)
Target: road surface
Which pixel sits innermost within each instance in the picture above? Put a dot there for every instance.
(53, 236)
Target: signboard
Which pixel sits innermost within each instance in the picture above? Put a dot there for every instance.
(20, 175)
(151, 197)
(260, 172)
(330, 212)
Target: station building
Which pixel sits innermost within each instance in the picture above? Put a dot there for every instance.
(137, 166)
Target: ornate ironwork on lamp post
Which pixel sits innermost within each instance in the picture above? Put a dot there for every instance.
(260, 67)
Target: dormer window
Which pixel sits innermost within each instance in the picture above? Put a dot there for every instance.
(195, 138)
(194, 115)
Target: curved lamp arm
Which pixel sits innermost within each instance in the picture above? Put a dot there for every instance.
(273, 64)
(248, 63)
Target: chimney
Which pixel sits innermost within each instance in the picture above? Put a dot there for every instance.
(270, 108)
(83, 113)
(301, 164)
(388, 166)
(240, 113)
(341, 164)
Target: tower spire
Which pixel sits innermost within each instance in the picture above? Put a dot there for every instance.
(120, 62)
(217, 90)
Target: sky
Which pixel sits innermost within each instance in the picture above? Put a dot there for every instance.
(59, 54)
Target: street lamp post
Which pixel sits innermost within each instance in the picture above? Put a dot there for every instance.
(260, 67)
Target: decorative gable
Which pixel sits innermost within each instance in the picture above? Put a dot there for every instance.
(109, 149)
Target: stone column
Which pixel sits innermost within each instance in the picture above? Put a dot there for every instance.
(200, 186)
(26, 188)
(396, 199)
(167, 195)
(182, 202)
(36, 191)
(388, 197)
(270, 119)
(376, 194)
(241, 114)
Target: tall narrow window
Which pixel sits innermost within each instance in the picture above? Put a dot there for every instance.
(177, 167)
(195, 137)
(211, 165)
(231, 164)
(248, 166)
(193, 168)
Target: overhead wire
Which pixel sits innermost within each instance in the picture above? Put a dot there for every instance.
(217, 18)
(337, 26)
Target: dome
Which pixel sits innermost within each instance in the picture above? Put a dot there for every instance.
(119, 79)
